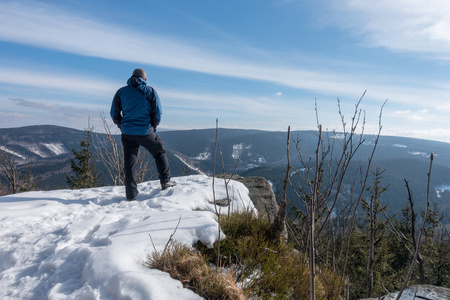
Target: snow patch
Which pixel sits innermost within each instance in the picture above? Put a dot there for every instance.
(443, 188)
(3, 148)
(203, 156)
(338, 136)
(91, 243)
(419, 153)
(35, 149)
(440, 189)
(238, 150)
(399, 145)
(56, 148)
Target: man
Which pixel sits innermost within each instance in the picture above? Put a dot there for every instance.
(136, 110)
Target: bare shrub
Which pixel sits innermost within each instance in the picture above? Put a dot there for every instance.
(320, 183)
(110, 153)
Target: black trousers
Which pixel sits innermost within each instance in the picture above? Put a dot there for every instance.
(153, 144)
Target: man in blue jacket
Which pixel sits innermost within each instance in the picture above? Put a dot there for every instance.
(136, 110)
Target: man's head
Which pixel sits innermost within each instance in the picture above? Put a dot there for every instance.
(140, 73)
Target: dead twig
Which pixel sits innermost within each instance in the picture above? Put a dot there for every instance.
(171, 236)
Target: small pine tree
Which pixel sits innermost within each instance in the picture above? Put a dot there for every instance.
(84, 166)
(28, 182)
(375, 232)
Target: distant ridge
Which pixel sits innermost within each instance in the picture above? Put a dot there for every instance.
(249, 152)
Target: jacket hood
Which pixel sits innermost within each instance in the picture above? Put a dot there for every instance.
(136, 81)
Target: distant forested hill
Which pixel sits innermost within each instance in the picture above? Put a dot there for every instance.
(250, 152)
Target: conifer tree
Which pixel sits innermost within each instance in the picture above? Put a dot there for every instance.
(376, 228)
(84, 166)
(28, 182)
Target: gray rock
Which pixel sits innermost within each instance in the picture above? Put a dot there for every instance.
(427, 292)
(260, 192)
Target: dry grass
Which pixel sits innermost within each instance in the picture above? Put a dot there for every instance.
(191, 269)
(263, 270)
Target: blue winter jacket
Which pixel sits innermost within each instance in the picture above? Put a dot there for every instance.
(132, 112)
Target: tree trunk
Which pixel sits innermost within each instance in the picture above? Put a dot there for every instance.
(312, 211)
(372, 251)
(279, 222)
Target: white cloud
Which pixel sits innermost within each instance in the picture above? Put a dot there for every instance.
(436, 134)
(402, 25)
(44, 26)
(419, 115)
(60, 82)
(12, 115)
(235, 105)
(416, 118)
(24, 112)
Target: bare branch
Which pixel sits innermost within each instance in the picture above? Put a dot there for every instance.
(8, 168)
(110, 152)
(422, 230)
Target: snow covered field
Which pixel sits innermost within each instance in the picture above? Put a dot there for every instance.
(91, 243)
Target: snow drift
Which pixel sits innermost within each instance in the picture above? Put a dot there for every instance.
(91, 243)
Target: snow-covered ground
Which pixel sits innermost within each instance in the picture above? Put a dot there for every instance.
(91, 243)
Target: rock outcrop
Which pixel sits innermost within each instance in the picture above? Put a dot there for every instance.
(428, 292)
(262, 196)
(260, 192)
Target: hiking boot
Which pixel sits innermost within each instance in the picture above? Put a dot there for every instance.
(167, 185)
(132, 198)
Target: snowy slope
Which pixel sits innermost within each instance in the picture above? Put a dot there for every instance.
(91, 243)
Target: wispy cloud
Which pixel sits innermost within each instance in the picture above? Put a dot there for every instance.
(411, 115)
(44, 26)
(23, 112)
(237, 106)
(437, 134)
(12, 115)
(36, 105)
(402, 25)
(55, 109)
(178, 105)
(56, 81)
(409, 26)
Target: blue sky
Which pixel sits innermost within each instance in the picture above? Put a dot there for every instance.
(251, 64)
